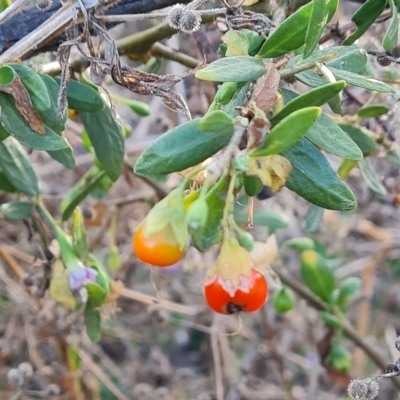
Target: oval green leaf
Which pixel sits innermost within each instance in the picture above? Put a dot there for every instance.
(287, 132)
(107, 140)
(313, 218)
(313, 178)
(318, 20)
(362, 81)
(363, 140)
(370, 177)
(16, 126)
(92, 320)
(16, 167)
(348, 288)
(315, 97)
(34, 85)
(83, 97)
(373, 111)
(7, 75)
(328, 135)
(203, 238)
(232, 69)
(180, 148)
(64, 157)
(316, 274)
(289, 35)
(52, 117)
(392, 33)
(237, 43)
(215, 121)
(364, 17)
(16, 211)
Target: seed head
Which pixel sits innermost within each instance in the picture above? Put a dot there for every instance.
(190, 21)
(174, 16)
(53, 390)
(363, 389)
(13, 375)
(25, 369)
(44, 5)
(183, 19)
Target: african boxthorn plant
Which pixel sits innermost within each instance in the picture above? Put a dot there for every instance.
(258, 136)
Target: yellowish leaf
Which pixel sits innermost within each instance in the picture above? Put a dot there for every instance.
(60, 291)
(250, 2)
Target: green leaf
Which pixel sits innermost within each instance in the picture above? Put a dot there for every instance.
(64, 156)
(83, 97)
(370, 177)
(92, 321)
(314, 97)
(215, 121)
(238, 99)
(16, 211)
(330, 320)
(349, 58)
(34, 85)
(333, 6)
(5, 184)
(15, 124)
(393, 156)
(313, 218)
(289, 35)
(226, 92)
(137, 107)
(96, 295)
(287, 94)
(16, 167)
(287, 132)
(80, 191)
(237, 43)
(52, 117)
(284, 300)
(335, 103)
(252, 185)
(364, 141)
(345, 167)
(364, 17)
(362, 81)
(180, 148)
(107, 140)
(391, 36)
(7, 75)
(339, 357)
(313, 178)
(318, 20)
(373, 111)
(232, 69)
(3, 133)
(203, 238)
(269, 218)
(299, 244)
(348, 288)
(328, 135)
(79, 239)
(316, 274)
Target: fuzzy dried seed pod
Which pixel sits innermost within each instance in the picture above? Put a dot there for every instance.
(44, 5)
(13, 375)
(397, 343)
(190, 21)
(363, 389)
(25, 369)
(174, 15)
(183, 19)
(53, 390)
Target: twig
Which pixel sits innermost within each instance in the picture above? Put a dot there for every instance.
(100, 375)
(11, 263)
(219, 386)
(348, 329)
(365, 306)
(169, 305)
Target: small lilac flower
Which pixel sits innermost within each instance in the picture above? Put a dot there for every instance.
(80, 276)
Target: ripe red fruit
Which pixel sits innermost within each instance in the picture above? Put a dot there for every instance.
(222, 302)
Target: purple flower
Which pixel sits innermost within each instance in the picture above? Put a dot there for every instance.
(80, 276)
